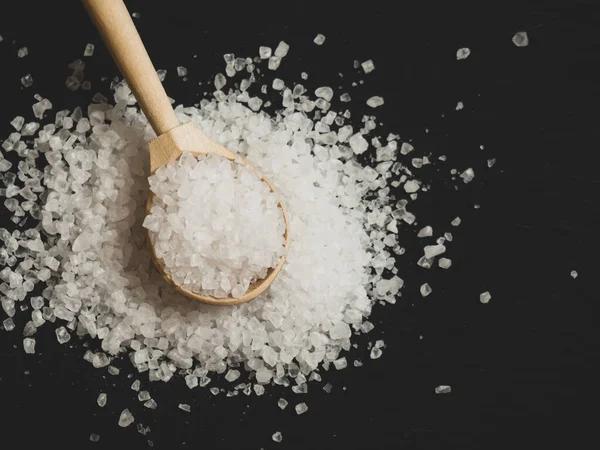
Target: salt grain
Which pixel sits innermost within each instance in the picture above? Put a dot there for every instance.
(126, 418)
(23, 52)
(301, 408)
(368, 66)
(319, 39)
(485, 297)
(442, 389)
(375, 101)
(89, 50)
(101, 400)
(463, 53)
(521, 39)
(574, 274)
(277, 436)
(425, 290)
(282, 403)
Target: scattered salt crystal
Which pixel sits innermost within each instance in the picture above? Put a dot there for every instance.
(425, 290)
(319, 39)
(301, 408)
(491, 162)
(259, 389)
(406, 148)
(574, 274)
(425, 232)
(304, 76)
(182, 71)
(185, 407)
(23, 52)
(277, 436)
(375, 353)
(468, 175)
(94, 437)
(282, 403)
(345, 98)
(113, 370)
(521, 39)
(456, 221)
(444, 263)
(29, 345)
(274, 62)
(144, 396)
(126, 418)
(375, 101)
(278, 84)
(340, 363)
(368, 66)
(220, 81)
(411, 186)
(443, 389)
(135, 386)
(463, 53)
(101, 400)
(282, 49)
(27, 80)
(325, 93)
(214, 390)
(327, 387)
(264, 52)
(485, 297)
(89, 50)
(150, 404)
(459, 106)
(232, 375)
(62, 335)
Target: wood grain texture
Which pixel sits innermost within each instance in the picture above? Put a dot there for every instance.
(116, 27)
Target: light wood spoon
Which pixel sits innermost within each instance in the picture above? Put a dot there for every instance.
(122, 39)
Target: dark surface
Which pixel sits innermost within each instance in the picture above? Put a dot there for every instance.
(522, 368)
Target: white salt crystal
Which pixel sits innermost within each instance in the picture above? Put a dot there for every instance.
(150, 404)
(406, 148)
(463, 53)
(340, 363)
(8, 324)
(485, 297)
(126, 418)
(278, 84)
(425, 232)
(89, 50)
(431, 251)
(375, 101)
(135, 386)
(459, 106)
(277, 436)
(319, 39)
(185, 407)
(375, 353)
(144, 396)
(94, 437)
(456, 221)
(368, 66)
(411, 186)
(23, 52)
(282, 403)
(264, 52)
(27, 80)
(62, 335)
(345, 98)
(468, 175)
(282, 49)
(29, 345)
(358, 144)
(425, 289)
(520, 39)
(220, 81)
(181, 71)
(17, 123)
(491, 162)
(574, 274)
(301, 408)
(101, 400)
(442, 389)
(232, 375)
(324, 92)
(444, 263)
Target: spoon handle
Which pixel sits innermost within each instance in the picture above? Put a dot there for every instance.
(122, 39)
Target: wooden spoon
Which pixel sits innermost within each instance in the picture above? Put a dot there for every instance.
(122, 39)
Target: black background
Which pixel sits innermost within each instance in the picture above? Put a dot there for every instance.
(522, 368)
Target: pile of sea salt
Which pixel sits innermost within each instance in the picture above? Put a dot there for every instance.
(90, 254)
(215, 226)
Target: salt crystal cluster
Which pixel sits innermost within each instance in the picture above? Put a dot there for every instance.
(215, 226)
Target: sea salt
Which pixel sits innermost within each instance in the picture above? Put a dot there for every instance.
(444, 263)
(182, 71)
(277, 436)
(319, 39)
(459, 106)
(301, 408)
(368, 66)
(463, 53)
(425, 290)
(485, 297)
(442, 389)
(126, 418)
(282, 403)
(574, 274)
(184, 407)
(101, 400)
(23, 52)
(29, 345)
(89, 50)
(375, 101)
(521, 39)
